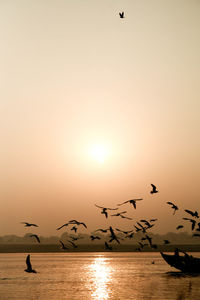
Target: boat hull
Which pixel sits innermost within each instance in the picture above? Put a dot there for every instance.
(186, 263)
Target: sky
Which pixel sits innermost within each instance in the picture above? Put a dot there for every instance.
(94, 108)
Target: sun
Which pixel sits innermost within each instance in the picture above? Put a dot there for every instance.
(99, 152)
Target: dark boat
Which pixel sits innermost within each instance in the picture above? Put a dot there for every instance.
(185, 263)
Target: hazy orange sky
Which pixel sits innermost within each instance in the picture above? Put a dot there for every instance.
(75, 76)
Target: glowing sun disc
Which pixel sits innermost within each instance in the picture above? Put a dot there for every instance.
(99, 153)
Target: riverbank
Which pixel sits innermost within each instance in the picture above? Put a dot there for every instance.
(42, 248)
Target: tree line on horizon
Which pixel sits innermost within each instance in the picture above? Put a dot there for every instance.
(174, 238)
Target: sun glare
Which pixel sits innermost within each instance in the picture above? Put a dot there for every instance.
(99, 153)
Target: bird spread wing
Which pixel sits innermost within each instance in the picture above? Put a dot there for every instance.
(62, 226)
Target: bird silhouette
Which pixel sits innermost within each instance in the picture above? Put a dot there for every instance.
(174, 207)
(73, 244)
(138, 249)
(104, 210)
(121, 215)
(166, 242)
(141, 226)
(132, 201)
(94, 237)
(149, 239)
(77, 223)
(192, 221)
(29, 266)
(193, 214)
(147, 223)
(179, 227)
(113, 236)
(137, 228)
(75, 238)
(125, 232)
(74, 228)
(153, 220)
(29, 224)
(107, 246)
(63, 246)
(198, 229)
(121, 14)
(154, 246)
(129, 236)
(36, 237)
(142, 245)
(196, 234)
(102, 230)
(154, 189)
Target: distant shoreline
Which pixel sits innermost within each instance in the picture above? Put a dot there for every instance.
(44, 248)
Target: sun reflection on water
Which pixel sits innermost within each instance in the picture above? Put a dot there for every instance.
(100, 277)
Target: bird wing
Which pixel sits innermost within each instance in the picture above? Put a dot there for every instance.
(118, 229)
(126, 217)
(61, 226)
(189, 212)
(73, 222)
(170, 203)
(193, 224)
(37, 238)
(99, 206)
(81, 223)
(133, 202)
(111, 231)
(28, 262)
(123, 202)
(112, 208)
(153, 186)
(62, 243)
(179, 226)
(73, 244)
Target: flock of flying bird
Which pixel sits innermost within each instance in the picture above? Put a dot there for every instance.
(141, 226)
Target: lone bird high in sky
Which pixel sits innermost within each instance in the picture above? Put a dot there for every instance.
(121, 14)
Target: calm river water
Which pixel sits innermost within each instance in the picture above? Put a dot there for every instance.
(94, 276)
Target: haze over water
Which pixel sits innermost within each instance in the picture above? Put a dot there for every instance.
(94, 276)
